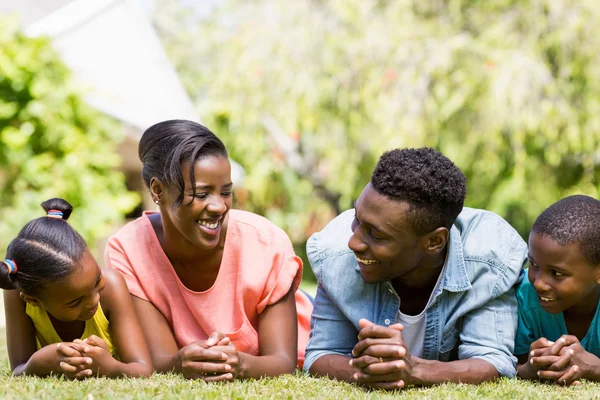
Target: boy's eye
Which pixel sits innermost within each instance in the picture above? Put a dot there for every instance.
(532, 264)
(556, 273)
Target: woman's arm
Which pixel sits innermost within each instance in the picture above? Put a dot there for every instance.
(24, 357)
(126, 331)
(278, 342)
(195, 360)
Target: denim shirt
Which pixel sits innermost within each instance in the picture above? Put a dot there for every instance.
(473, 312)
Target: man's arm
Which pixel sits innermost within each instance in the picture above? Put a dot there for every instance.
(332, 338)
(488, 333)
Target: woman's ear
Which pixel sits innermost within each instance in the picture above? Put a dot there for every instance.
(34, 301)
(436, 241)
(156, 190)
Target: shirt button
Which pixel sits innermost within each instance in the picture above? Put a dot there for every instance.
(387, 322)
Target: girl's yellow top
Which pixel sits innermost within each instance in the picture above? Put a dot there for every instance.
(45, 333)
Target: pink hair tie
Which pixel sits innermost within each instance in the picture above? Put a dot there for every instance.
(55, 214)
(11, 265)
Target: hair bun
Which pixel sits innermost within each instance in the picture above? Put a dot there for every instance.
(59, 205)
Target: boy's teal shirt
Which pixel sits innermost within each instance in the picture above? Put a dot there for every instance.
(535, 322)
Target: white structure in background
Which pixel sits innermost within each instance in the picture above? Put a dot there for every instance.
(117, 58)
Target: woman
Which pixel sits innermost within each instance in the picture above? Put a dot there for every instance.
(215, 289)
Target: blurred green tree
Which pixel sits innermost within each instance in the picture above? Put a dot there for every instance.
(52, 144)
(308, 94)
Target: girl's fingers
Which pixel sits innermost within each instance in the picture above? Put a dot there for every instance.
(67, 368)
(75, 361)
(394, 385)
(86, 373)
(218, 378)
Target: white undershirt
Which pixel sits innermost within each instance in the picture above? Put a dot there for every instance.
(414, 325)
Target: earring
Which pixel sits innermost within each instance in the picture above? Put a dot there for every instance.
(156, 201)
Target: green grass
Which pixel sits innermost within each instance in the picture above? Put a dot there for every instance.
(296, 386)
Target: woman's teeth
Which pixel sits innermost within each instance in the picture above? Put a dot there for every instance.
(546, 299)
(209, 225)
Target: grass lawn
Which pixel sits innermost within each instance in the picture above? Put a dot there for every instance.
(286, 387)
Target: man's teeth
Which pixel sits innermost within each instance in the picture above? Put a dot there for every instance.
(208, 224)
(546, 298)
(366, 262)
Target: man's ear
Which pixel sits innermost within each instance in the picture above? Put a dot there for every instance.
(436, 241)
(156, 190)
(34, 301)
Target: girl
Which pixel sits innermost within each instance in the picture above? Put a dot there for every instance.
(64, 315)
(216, 287)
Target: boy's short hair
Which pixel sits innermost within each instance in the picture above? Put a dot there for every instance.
(427, 180)
(573, 219)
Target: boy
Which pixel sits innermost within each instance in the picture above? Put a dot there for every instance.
(558, 336)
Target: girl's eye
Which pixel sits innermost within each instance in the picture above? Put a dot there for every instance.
(201, 196)
(78, 302)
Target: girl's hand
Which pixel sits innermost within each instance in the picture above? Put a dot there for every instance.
(103, 363)
(60, 358)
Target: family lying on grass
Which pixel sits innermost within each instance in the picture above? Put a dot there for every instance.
(414, 288)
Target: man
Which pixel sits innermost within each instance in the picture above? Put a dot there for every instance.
(414, 289)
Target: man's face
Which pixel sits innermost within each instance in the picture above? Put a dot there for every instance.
(383, 241)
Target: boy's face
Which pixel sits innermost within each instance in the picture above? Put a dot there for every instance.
(561, 275)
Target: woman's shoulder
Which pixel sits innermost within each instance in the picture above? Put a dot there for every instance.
(135, 229)
(248, 226)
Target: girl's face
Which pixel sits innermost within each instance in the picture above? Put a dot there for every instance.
(561, 275)
(77, 296)
(201, 219)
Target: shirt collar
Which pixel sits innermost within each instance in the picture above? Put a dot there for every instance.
(455, 278)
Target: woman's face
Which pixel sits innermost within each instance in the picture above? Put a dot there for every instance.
(201, 217)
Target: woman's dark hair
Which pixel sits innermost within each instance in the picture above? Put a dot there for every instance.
(166, 146)
(47, 249)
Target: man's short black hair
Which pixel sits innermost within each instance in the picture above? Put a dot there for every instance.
(573, 219)
(427, 180)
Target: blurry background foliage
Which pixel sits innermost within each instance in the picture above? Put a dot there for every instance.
(52, 144)
(308, 94)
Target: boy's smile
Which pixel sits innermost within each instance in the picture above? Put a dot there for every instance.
(563, 278)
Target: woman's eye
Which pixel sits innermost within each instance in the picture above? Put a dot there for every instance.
(226, 193)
